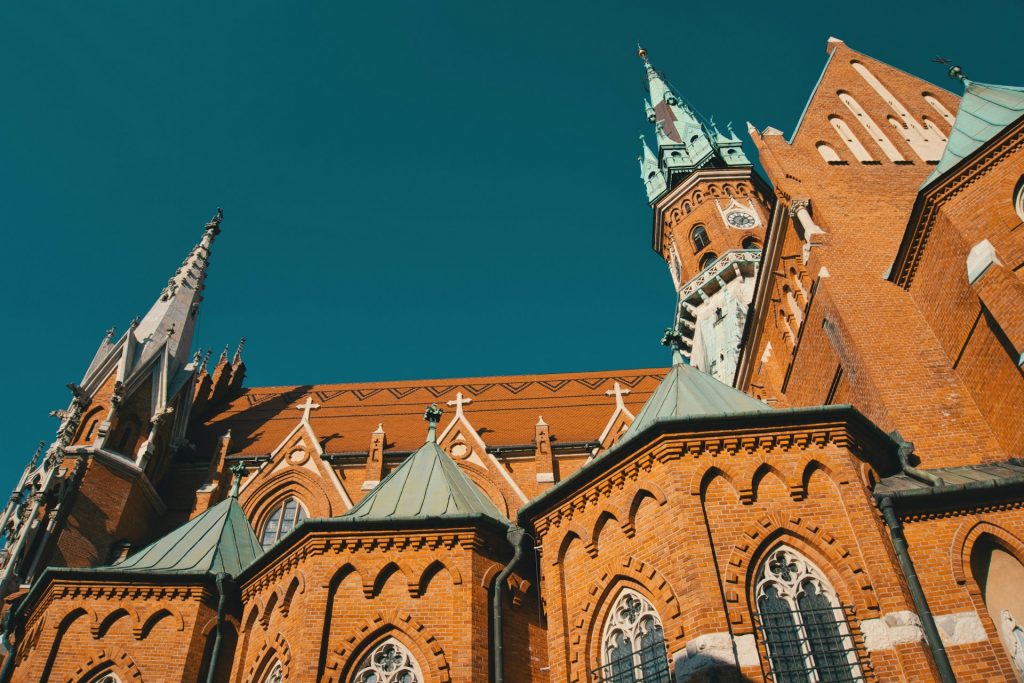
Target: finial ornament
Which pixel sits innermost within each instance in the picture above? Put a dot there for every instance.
(641, 52)
(673, 339)
(111, 332)
(238, 351)
(955, 71)
(238, 471)
(214, 224)
(432, 415)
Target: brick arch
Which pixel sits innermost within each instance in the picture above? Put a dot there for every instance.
(647, 491)
(632, 573)
(572, 533)
(145, 626)
(844, 570)
(61, 627)
(807, 466)
(296, 585)
(308, 489)
(102, 625)
(964, 539)
(702, 478)
(269, 652)
(430, 572)
(384, 575)
(399, 624)
(763, 469)
(494, 490)
(117, 662)
(603, 519)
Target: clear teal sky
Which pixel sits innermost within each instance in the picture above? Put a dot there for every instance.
(411, 189)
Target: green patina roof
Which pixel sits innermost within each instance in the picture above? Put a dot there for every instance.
(687, 392)
(985, 110)
(219, 540)
(427, 485)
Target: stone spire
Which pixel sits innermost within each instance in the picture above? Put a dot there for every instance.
(172, 318)
(652, 175)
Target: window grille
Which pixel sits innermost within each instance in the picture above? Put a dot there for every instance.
(283, 519)
(802, 625)
(275, 675)
(633, 646)
(699, 236)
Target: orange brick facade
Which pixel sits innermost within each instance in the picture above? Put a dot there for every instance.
(886, 310)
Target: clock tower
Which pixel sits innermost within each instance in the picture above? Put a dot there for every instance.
(710, 214)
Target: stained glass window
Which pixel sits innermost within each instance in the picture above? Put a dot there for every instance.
(389, 662)
(802, 624)
(633, 646)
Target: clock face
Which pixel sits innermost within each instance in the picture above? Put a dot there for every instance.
(740, 219)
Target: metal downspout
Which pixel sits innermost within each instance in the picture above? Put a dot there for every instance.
(931, 631)
(515, 537)
(8, 631)
(222, 600)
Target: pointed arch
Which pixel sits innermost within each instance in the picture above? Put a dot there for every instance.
(810, 467)
(105, 623)
(649, 491)
(295, 586)
(967, 535)
(396, 624)
(116, 662)
(758, 477)
(431, 571)
(61, 629)
(261, 501)
(600, 523)
(701, 481)
(383, 576)
(573, 534)
(147, 625)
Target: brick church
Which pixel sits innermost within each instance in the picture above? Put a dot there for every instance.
(823, 486)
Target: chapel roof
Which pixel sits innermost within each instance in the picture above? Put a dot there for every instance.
(428, 484)
(218, 540)
(985, 110)
(504, 410)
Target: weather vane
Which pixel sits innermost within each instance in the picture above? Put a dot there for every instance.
(954, 72)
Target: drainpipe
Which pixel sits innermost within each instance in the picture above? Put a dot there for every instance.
(903, 452)
(931, 631)
(515, 537)
(222, 599)
(8, 631)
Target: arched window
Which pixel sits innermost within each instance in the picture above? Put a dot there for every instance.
(633, 643)
(275, 675)
(869, 125)
(750, 242)
(999, 575)
(282, 519)
(1018, 198)
(828, 153)
(801, 622)
(699, 237)
(107, 677)
(851, 140)
(707, 259)
(389, 662)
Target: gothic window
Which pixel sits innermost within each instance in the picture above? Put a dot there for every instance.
(828, 153)
(275, 675)
(851, 140)
(999, 575)
(869, 125)
(708, 259)
(107, 677)
(750, 243)
(1018, 198)
(801, 622)
(389, 662)
(633, 644)
(282, 519)
(699, 237)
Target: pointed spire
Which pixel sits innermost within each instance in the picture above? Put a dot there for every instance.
(238, 352)
(178, 305)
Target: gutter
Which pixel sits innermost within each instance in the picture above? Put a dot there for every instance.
(222, 599)
(515, 537)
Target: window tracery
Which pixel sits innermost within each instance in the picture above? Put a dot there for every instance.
(1018, 199)
(633, 643)
(801, 622)
(389, 662)
(275, 675)
(282, 519)
(107, 677)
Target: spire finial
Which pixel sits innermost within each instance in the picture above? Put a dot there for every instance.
(432, 415)
(673, 338)
(238, 352)
(214, 223)
(111, 332)
(237, 472)
(223, 356)
(641, 52)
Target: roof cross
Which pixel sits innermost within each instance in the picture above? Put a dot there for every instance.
(306, 407)
(458, 403)
(618, 392)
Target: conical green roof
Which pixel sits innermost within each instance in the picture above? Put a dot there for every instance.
(428, 485)
(985, 110)
(686, 392)
(219, 540)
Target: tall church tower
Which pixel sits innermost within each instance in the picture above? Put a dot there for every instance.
(710, 214)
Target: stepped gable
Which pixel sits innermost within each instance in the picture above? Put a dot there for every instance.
(504, 409)
(427, 485)
(218, 540)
